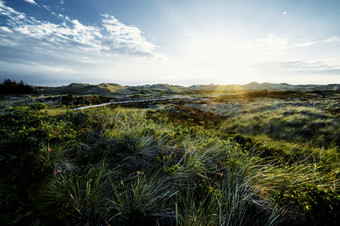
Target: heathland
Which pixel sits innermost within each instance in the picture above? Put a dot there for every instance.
(257, 154)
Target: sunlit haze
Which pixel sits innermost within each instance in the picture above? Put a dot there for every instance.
(183, 42)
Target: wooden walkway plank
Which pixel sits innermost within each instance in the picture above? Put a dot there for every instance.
(134, 100)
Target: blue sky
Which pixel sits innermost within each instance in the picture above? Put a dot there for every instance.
(56, 42)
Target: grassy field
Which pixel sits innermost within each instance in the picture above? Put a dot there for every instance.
(255, 158)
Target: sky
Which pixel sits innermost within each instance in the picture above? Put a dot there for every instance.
(183, 42)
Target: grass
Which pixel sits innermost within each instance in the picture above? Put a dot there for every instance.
(289, 123)
(82, 196)
(173, 166)
(143, 200)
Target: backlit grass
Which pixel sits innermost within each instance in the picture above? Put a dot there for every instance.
(173, 166)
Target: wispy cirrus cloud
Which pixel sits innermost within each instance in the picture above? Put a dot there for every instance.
(306, 44)
(333, 39)
(31, 2)
(6, 29)
(298, 68)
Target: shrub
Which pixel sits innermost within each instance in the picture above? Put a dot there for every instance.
(317, 205)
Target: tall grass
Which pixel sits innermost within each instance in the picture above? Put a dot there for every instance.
(78, 196)
(123, 167)
(56, 158)
(288, 123)
(144, 199)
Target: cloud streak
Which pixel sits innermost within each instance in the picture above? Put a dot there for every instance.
(298, 68)
(333, 39)
(31, 2)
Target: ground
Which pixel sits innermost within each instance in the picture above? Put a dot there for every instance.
(253, 157)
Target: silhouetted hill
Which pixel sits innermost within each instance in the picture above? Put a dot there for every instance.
(116, 90)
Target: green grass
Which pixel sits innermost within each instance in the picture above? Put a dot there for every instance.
(289, 123)
(128, 166)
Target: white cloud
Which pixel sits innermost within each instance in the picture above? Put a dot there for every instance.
(333, 39)
(112, 37)
(273, 42)
(9, 12)
(6, 29)
(124, 36)
(71, 51)
(31, 2)
(298, 68)
(306, 44)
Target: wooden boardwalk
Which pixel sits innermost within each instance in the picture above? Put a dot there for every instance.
(127, 101)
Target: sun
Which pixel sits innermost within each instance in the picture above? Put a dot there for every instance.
(224, 60)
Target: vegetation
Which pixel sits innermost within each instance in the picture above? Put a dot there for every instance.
(12, 87)
(270, 162)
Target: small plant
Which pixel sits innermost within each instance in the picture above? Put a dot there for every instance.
(139, 151)
(82, 195)
(143, 200)
(319, 206)
(57, 158)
